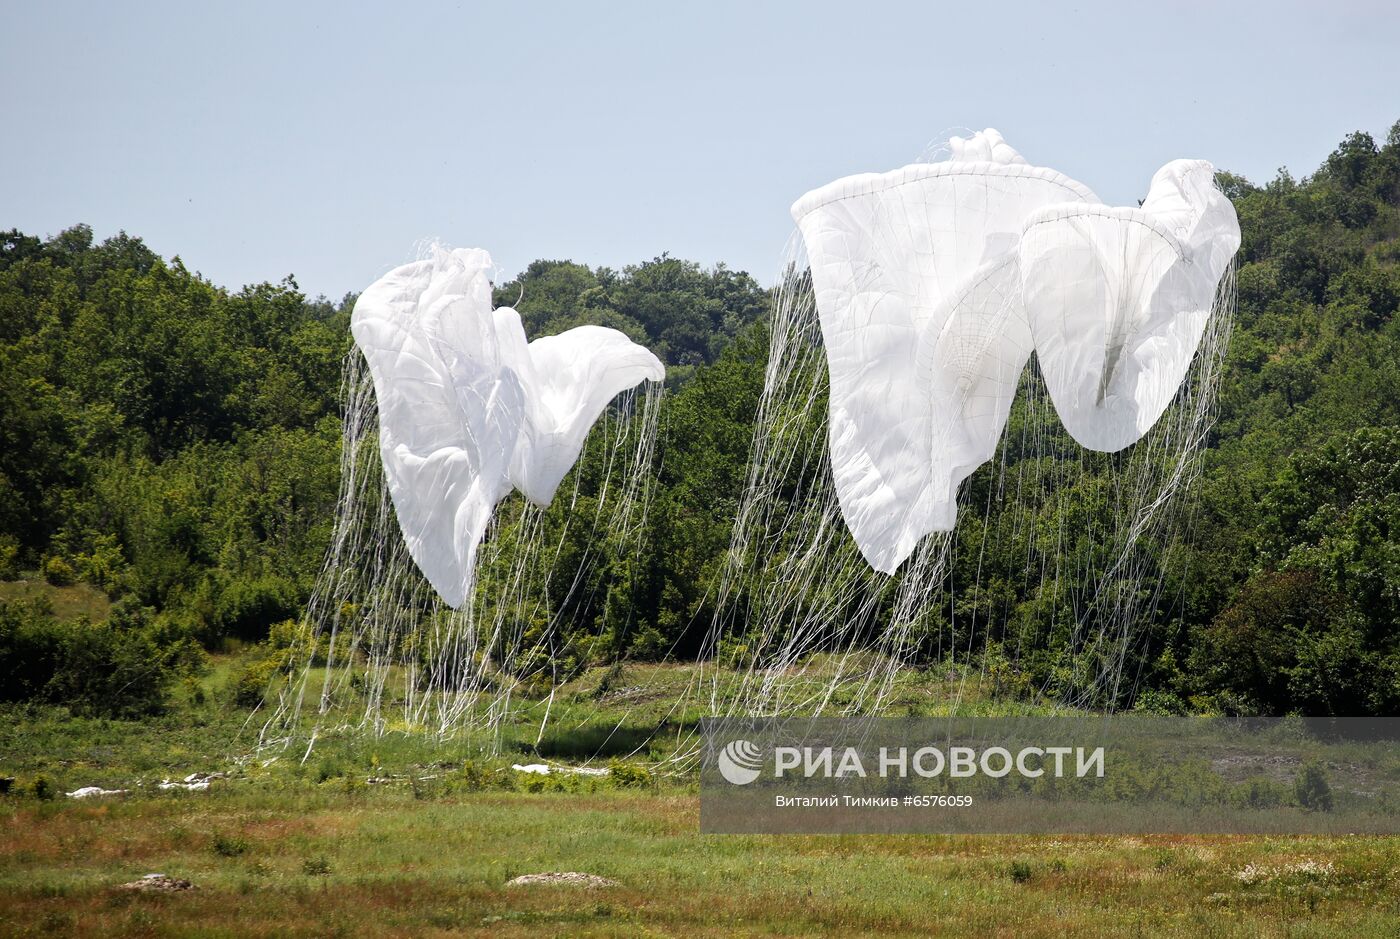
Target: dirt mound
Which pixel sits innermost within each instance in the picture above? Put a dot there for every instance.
(158, 883)
(564, 878)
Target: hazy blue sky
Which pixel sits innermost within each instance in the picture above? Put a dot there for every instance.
(326, 140)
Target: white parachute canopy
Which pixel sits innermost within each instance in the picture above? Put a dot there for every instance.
(1117, 299)
(468, 409)
(935, 282)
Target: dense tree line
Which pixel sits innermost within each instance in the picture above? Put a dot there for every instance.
(176, 444)
(1294, 597)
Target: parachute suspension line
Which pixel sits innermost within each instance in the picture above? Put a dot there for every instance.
(1061, 548)
(378, 651)
(1060, 559)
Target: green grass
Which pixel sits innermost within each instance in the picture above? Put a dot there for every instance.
(79, 600)
(321, 860)
(291, 848)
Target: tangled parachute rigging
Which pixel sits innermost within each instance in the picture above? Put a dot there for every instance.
(935, 282)
(447, 408)
(468, 409)
(894, 365)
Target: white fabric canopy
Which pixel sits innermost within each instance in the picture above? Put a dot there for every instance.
(891, 256)
(936, 281)
(1117, 299)
(468, 409)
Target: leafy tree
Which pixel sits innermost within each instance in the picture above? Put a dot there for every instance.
(176, 444)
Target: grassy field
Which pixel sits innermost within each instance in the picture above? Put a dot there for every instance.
(73, 602)
(289, 848)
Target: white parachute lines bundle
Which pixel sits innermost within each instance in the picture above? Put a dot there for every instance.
(899, 367)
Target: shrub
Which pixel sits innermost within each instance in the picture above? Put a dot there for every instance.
(1286, 643)
(43, 789)
(1152, 701)
(1312, 789)
(1008, 680)
(1020, 871)
(470, 778)
(329, 768)
(123, 667)
(120, 668)
(104, 566)
(629, 775)
(230, 846)
(611, 678)
(59, 572)
(252, 680)
(1333, 673)
(28, 650)
(1260, 794)
(247, 609)
(649, 645)
(9, 557)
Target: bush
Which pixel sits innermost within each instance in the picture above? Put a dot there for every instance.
(329, 768)
(470, 778)
(252, 680)
(9, 557)
(28, 650)
(1286, 643)
(1334, 673)
(610, 680)
(1008, 680)
(1152, 701)
(629, 775)
(230, 846)
(123, 667)
(1312, 789)
(104, 566)
(649, 645)
(43, 789)
(247, 609)
(1260, 794)
(59, 572)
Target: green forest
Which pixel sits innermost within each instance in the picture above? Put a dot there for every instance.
(174, 445)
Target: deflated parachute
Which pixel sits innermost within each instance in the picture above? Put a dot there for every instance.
(893, 256)
(1117, 299)
(468, 409)
(935, 282)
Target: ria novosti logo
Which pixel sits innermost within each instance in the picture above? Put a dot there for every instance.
(740, 762)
